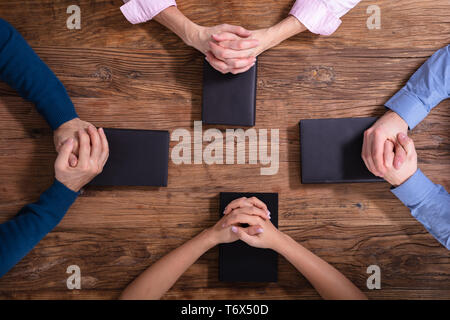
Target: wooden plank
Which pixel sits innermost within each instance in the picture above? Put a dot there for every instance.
(143, 77)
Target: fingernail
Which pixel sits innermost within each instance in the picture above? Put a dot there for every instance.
(260, 230)
(402, 135)
(268, 214)
(234, 229)
(70, 140)
(223, 225)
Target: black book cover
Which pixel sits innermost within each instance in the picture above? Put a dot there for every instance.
(229, 99)
(331, 150)
(136, 158)
(239, 262)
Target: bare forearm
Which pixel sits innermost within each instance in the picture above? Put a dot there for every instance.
(176, 21)
(286, 28)
(162, 275)
(329, 282)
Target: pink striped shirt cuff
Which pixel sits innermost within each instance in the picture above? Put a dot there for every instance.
(138, 11)
(321, 16)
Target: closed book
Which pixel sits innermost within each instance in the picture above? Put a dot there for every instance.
(229, 99)
(239, 262)
(136, 158)
(331, 150)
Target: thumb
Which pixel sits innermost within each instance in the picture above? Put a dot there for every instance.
(400, 156)
(64, 152)
(73, 160)
(254, 230)
(406, 142)
(242, 234)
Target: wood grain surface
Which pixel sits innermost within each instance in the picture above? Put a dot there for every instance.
(142, 76)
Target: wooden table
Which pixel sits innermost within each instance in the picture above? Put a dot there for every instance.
(144, 77)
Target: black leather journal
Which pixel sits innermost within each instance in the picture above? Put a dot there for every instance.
(331, 150)
(229, 99)
(239, 262)
(136, 158)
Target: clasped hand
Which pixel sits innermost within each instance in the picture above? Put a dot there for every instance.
(82, 153)
(387, 150)
(229, 48)
(260, 233)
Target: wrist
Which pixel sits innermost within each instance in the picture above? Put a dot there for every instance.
(283, 30)
(70, 123)
(191, 34)
(208, 239)
(280, 242)
(399, 120)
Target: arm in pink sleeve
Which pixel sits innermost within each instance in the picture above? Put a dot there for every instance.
(321, 16)
(138, 11)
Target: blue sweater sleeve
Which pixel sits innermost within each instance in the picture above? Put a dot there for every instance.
(20, 234)
(427, 87)
(429, 204)
(23, 70)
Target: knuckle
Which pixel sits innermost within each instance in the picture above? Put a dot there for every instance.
(378, 131)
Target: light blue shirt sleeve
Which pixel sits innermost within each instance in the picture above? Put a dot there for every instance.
(429, 204)
(427, 87)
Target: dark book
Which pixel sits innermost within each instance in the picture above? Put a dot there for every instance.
(136, 158)
(229, 99)
(331, 150)
(239, 262)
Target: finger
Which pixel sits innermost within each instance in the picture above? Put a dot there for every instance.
(237, 218)
(64, 153)
(253, 211)
(217, 64)
(367, 153)
(244, 236)
(237, 203)
(96, 146)
(377, 153)
(254, 230)
(85, 147)
(224, 53)
(241, 70)
(406, 142)
(73, 160)
(246, 202)
(400, 156)
(239, 44)
(389, 154)
(105, 147)
(240, 63)
(258, 203)
(240, 31)
(225, 36)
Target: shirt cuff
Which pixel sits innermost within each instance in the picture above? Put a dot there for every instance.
(316, 16)
(138, 11)
(408, 107)
(414, 190)
(60, 197)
